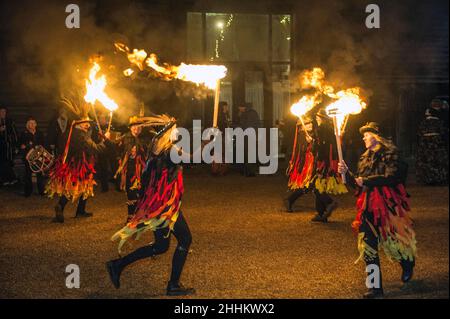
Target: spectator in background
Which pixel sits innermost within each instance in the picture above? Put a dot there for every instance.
(224, 118)
(248, 118)
(30, 138)
(223, 121)
(8, 142)
(432, 152)
(57, 132)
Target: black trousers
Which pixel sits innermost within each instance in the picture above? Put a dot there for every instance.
(29, 183)
(103, 175)
(132, 196)
(321, 200)
(81, 208)
(161, 245)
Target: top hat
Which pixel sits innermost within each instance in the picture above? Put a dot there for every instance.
(371, 127)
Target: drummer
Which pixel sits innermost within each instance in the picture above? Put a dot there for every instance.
(29, 139)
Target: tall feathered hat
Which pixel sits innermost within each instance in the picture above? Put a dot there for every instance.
(162, 127)
(74, 103)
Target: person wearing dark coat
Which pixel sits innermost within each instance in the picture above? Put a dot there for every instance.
(8, 143)
(132, 148)
(432, 151)
(382, 219)
(72, 177)
(248, 118)
(29, 139)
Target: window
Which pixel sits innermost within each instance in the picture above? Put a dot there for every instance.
(281, 38)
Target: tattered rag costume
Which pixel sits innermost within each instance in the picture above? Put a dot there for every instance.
(301, 166)
(327, 179)
(157, 210)
(432, 152)
(313, 166)
(131, 166)
(72, 177)
(382, 219)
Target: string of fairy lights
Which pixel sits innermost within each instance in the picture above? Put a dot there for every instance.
(284, 20)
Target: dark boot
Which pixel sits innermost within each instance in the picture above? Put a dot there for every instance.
(59, 215)
(407, 270)
(81, 209)
(374, 293)
(330, 208)
(177, 289)
(319, 219)
(114, 270)
(290, 200)
(288, 205)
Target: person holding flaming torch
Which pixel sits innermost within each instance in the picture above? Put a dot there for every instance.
(301, 165)
(158, 210)
(312, 165)
(382, 218)
(327, 180)
(72, 177)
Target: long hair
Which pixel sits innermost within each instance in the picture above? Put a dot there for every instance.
(387, 143)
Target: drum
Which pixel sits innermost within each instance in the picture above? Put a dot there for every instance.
(40, 159)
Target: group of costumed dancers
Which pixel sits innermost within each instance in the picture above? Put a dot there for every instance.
(154, 188)
(382, 219)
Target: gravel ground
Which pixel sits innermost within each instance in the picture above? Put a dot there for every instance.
(244, 246)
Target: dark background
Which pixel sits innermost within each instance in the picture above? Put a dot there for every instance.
(401, 66)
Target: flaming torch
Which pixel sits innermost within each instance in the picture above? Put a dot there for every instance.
(349, 102)
(95, 92)
(207, 75)
(303, 106)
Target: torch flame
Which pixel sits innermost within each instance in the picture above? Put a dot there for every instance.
(304, 105)
(207, 75)
(348, 102)
(152, 62)
(128, 72)
(137, 58)
(95, 89)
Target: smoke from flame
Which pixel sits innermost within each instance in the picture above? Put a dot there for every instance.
(346, 102)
